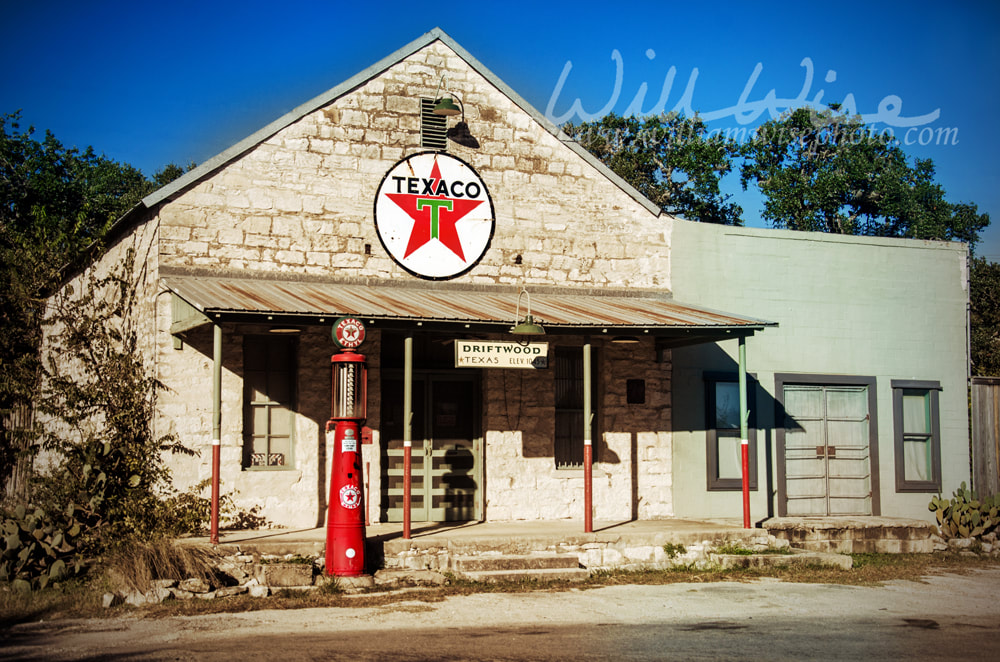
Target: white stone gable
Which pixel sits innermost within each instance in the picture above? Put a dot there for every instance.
(301, 201)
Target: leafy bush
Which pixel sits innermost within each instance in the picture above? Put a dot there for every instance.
(102, 489)
(189, 513)
(99, 398)
(965, 515)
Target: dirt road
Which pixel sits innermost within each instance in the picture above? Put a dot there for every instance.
(946, 617)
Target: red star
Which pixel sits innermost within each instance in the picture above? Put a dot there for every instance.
(434, 216)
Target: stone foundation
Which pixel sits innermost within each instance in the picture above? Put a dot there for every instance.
(855, 535)
(595, 552)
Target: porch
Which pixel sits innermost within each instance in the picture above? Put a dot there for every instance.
(639, 543)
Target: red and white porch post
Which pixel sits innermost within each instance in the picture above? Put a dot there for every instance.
(588, 447)
(407, 430)
(216, 430)
(744, 433)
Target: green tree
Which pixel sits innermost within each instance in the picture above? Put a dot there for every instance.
(984, 317)
(829, 172)
(669, 158)
(55, 204)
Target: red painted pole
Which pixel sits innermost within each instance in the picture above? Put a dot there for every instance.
(745, 453)
(588, 448)
(744, 431)
(368, 517)
(214, 530)
(588, 487)
(216, 430)
(407, 430)
(406, 490)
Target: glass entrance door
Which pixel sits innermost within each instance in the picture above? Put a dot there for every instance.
(446, 468)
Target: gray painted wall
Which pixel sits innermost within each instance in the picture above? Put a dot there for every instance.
(884, 308)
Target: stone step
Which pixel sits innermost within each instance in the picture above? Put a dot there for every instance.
(537, 574)
(796, 557)
(489, 563)
(853, 535)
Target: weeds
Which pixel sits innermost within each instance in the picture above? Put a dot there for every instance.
(673, 551)
(737, 549)
(294, 560)
(71, 599)
(136, 566)
(330, 586)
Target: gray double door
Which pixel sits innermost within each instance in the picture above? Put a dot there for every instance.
(827, 450)
(446, 452)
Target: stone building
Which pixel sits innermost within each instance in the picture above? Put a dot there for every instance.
(447, 230)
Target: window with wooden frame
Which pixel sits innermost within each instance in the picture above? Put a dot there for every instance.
(568, 376)
(917, 435)
(270, 366)
(722, 432)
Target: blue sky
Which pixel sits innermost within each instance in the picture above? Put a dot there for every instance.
(154, 83)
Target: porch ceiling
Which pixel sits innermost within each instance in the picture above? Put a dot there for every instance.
(562, 310)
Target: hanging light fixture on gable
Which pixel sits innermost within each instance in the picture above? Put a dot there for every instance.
(446, 107)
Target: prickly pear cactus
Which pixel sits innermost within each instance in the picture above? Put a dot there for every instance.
(965, 515)
(37, 549)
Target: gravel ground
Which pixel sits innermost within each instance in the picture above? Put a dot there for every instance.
(941, 617)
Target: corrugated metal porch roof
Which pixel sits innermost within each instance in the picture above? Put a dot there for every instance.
(564, 308)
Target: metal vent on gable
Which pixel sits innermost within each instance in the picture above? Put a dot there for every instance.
(433, 128)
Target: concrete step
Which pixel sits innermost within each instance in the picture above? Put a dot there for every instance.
(489, 563)
(796, 557)
(536, 574)
(853, 535)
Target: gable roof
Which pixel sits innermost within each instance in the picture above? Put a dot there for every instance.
(207, 167)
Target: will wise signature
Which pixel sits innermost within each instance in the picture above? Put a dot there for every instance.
(744, 111)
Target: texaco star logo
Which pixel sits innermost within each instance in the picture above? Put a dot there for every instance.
(350, 497)
(434, 215)
(348, 333)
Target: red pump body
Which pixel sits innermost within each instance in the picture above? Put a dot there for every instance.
(345, 526)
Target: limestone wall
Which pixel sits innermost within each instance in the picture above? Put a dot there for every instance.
(631, 474)
(302, 201)
(138, 249)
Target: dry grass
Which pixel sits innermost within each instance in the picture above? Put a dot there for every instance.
(67, 600)
(869, 570)
(136, 567)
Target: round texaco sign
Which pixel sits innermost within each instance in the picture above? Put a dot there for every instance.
(348, 333)
(434, 215)
(350, 497)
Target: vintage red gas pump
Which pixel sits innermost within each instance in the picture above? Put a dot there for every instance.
(345, 520)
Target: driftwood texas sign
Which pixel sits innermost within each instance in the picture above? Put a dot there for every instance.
(434, 215)
(491, 354)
